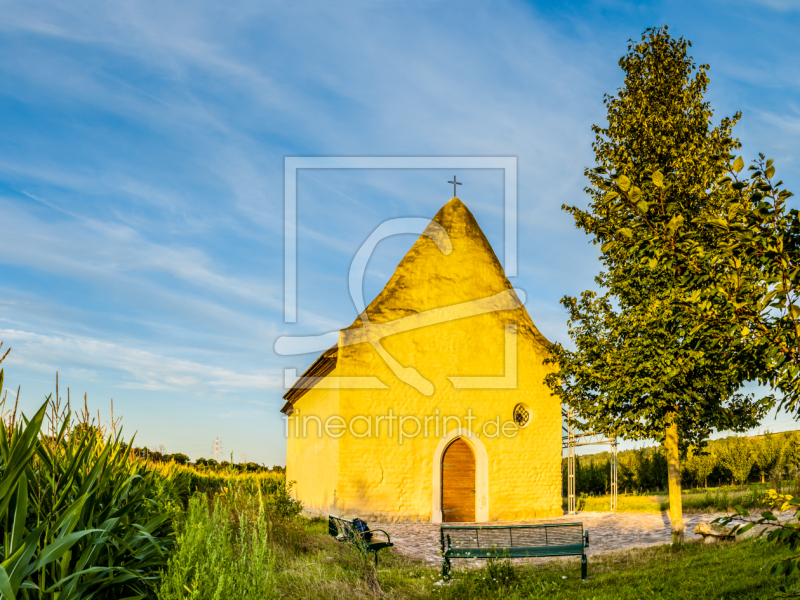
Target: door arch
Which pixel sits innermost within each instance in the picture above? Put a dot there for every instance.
(481, 474)
(458, 483)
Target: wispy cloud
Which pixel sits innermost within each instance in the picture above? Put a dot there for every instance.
(86, 358)
(141, 169)
(98, 250)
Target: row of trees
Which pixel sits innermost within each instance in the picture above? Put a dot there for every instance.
(700, 287)
(740, 459)
(644, 469)
(735, 459)
(160, 455)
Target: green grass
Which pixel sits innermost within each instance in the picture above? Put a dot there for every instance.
(219, 559)
(319, 568)
(241, 537)
(697, 571)
(637, 504)
(710, 500)
(245, 549)
(307, 564)
(81, 517)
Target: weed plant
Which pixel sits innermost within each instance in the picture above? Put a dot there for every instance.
(222, 554)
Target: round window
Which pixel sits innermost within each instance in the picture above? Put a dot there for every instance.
(522, 415)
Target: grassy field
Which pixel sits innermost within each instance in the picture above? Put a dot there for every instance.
(710, 500)
(697, 571)
(307, 564)
(239, 549)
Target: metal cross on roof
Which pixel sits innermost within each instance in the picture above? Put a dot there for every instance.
(455, 183)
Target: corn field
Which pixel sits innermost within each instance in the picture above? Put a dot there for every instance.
(79, 518)
(82, 517)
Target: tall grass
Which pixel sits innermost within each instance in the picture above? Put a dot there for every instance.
(227, 541)
(208, 481)
(82, 517)
(217, 559)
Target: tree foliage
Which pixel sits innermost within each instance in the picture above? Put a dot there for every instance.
(644, 367)
(770, 452)
(737, 455)
(645, 469)
(701, 465)
(743, 281)
(640, 362)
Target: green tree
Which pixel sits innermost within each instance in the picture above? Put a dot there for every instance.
(642, 369)
(736, 454)
(741, 273)
(793, 454)
(701, 466)
(770, 454)
(180, 458)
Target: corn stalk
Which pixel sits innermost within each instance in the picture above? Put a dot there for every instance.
(79, 517)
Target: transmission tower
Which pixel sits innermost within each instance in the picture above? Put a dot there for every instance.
(216, 449)
(244, 458)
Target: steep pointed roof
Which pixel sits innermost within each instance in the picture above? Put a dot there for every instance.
(469, 271)
(453, 261)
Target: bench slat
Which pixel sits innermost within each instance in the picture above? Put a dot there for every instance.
(514, 536)
(513, 541)
(572, 550)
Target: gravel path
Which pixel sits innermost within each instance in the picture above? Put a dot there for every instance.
(608, 532)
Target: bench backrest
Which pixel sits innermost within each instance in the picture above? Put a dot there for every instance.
(337, 526)
(513, 536)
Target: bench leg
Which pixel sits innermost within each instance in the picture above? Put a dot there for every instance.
(446, 569)
(584, 565)
(376, 559)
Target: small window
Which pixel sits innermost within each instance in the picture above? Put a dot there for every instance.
(522, 415)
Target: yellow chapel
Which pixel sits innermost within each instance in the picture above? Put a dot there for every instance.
(432, 406)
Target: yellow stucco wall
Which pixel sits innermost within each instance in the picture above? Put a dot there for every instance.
(380, 479)
(312, 461)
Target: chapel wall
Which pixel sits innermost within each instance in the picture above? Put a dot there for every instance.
(383, 480)
(525, 472)
(312, 460)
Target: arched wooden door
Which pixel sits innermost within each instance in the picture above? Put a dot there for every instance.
(458, 483)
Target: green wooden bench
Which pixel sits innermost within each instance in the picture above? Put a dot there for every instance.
(344, 531)
(513, 541)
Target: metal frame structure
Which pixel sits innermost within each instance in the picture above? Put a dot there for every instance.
(570, 440)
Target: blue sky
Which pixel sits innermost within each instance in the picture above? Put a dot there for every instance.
(141, 174)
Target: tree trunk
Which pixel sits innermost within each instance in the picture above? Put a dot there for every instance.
(674, 478)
